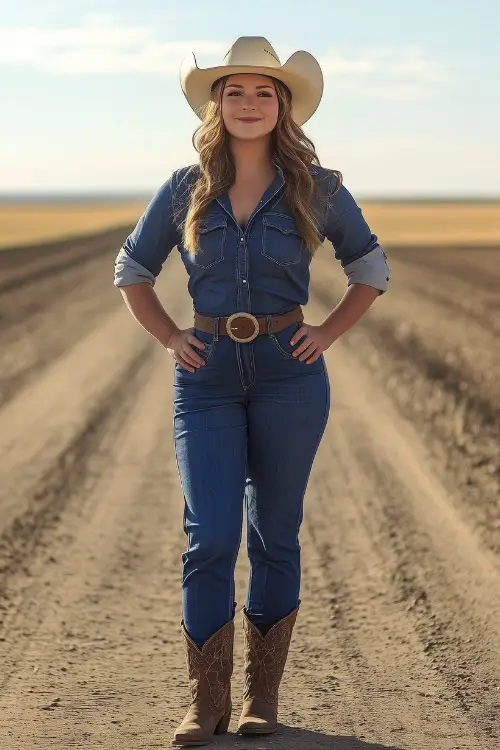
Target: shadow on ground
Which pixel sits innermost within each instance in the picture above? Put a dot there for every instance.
(288, 738)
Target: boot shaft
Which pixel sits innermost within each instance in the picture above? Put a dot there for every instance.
(265, 657)
(210, 668)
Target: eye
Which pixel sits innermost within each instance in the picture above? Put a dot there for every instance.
(237, 93)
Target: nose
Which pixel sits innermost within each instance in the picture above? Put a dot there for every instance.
(247, 101)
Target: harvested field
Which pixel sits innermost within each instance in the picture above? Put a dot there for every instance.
(397, 645)
(28, 223)
(397, 223)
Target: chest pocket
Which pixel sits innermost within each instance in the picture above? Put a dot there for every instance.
(281, 240)
(213, 230)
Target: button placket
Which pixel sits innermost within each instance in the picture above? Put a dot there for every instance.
(243, 300)
(243, 272)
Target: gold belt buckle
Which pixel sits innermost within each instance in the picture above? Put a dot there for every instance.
(232, 325)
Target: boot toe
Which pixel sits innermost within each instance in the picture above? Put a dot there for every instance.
(190, 739)
(256, 725)
(191, 734)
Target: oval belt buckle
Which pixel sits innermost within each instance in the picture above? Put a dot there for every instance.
(231, 326)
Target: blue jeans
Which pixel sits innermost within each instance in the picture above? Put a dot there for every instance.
(247, 426)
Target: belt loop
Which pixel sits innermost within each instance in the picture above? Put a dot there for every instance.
(269, 324)
(216, 328)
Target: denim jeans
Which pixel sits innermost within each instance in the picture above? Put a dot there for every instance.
(247, 426)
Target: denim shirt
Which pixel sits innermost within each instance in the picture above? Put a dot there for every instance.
(261, 269)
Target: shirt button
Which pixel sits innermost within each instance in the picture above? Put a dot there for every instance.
(244, 281)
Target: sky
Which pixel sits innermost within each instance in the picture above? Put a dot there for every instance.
(91, 101)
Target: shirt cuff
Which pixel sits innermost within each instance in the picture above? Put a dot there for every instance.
(128, 271)
(371, 269)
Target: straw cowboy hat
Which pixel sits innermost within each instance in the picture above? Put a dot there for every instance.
(253, 54)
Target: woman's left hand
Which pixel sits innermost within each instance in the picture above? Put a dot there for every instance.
(314, 340)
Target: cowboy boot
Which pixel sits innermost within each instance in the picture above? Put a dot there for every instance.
(209, 673)
(265, 658)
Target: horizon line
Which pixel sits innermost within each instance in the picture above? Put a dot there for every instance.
(116, 196)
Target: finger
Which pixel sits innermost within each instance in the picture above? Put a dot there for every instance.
(185, 364)
(298, 335)
(302, 347)
(191, 356)
(193, 340)
(307, 352)
(316, 355)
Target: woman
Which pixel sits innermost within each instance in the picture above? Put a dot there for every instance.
(251, 391)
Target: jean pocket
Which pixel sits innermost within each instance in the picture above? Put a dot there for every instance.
(210, 342)
(281, 340)
(281, 240)
(213, 229)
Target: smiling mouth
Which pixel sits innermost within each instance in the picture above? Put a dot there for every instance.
(248, 119)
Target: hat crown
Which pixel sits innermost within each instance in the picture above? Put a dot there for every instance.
(252, 50)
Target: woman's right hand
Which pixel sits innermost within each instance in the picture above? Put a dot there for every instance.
(180, 347)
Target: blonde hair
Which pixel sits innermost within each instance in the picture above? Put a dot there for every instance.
(292, 150)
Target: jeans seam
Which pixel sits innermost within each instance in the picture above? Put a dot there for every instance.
(184, 511)
(233, 562)
(320, 437)
(252, 366)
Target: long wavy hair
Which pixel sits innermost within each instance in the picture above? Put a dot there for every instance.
(291, 149)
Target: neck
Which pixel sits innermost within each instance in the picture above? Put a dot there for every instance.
(252, 159)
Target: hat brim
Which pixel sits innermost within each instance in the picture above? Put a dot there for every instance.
(301, 73)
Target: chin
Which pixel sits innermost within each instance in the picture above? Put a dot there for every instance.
(247, 136)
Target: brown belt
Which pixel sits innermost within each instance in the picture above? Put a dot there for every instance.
(244, 327)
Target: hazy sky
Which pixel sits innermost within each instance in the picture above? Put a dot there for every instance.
(90, 94)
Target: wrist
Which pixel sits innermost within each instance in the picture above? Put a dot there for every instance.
(167, 338)
(332, 327)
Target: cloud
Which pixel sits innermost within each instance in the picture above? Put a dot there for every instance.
(103, 45)
(100, 45)
(407, 62)
(390, 73)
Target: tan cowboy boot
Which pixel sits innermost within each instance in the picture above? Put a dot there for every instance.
(265, 658)
(209, 672)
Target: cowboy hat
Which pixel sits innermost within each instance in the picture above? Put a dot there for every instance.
(253, 54)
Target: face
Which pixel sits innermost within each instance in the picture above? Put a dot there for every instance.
(247, 95)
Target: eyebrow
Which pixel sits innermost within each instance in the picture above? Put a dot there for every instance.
(239, 86)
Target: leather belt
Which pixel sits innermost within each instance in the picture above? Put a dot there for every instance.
(244, 327)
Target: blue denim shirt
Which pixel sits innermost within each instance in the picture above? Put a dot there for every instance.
(261, 269)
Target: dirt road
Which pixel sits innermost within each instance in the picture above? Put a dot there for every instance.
(398, 641)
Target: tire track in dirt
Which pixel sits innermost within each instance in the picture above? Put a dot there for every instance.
(486, 317)
(31, 534)
(19, 531)
(467, 298)
(26, 266)
(410, 584)
(478, 266)
(41, 426)
(442, 372)
(97, 631)
(44, 316)
(73, 400)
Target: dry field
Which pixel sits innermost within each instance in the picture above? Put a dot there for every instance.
(24, 224)
(400, 224)
(397, 646)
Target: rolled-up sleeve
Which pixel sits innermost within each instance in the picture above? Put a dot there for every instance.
(363, 259)
(141, 257)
